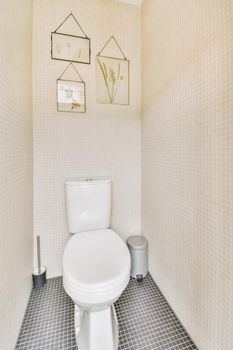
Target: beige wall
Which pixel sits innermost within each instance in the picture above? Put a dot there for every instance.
(187, 139)
(104, 141)
(16, 246)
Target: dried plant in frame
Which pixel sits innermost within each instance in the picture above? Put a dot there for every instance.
(112, 76)
(69, 47)
(71, 94)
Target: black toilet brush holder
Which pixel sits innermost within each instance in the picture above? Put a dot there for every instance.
(39, 277)
(39, 273)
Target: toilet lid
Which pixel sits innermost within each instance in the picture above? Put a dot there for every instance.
(96, 259)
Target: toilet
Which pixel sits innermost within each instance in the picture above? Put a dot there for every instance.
(96, 263)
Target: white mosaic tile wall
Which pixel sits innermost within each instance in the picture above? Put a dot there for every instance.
(16, 237)
(104, 141)
(187, 172)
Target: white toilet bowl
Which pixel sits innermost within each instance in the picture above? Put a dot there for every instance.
(96, 270)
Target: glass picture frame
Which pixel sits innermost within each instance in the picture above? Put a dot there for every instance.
(71, 96)
(70, 48)
(112, 80)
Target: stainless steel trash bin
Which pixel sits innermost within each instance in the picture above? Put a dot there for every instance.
(138, 248)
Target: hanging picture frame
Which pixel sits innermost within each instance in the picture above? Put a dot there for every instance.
(71, 94)
(112, 77)
(69, 47)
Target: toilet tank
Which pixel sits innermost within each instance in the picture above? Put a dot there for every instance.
(88, 204)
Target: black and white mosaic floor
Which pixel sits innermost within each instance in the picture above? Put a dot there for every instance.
(146, 322)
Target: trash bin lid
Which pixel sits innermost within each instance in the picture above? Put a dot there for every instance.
(137, 242)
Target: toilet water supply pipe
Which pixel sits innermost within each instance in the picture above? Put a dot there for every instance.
(38, 255)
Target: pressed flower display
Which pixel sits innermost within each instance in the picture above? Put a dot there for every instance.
(71, 93)
(112, 78)
(70, 47)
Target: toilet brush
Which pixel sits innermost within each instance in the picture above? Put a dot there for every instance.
(39, 273)
(38, 254)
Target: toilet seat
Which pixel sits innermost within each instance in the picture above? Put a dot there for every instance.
(96, 266)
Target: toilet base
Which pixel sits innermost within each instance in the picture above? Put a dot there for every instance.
(96, 329)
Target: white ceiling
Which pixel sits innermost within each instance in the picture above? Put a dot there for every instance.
(132, 2)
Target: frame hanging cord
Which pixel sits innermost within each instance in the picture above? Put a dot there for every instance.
(112, 38)
(76, 71)
(71, 14)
